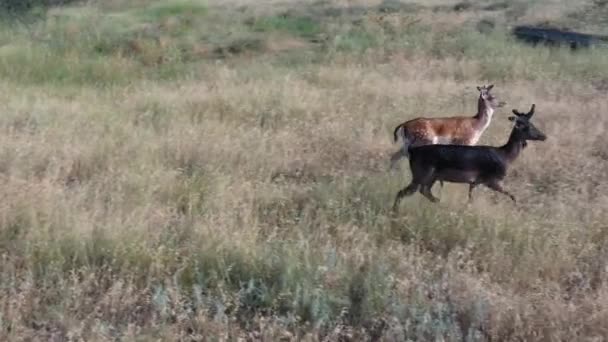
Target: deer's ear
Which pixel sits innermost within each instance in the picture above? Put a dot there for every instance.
(515, 112)
(490, 87)
(511, 118)
(478, 88)
(531, 112)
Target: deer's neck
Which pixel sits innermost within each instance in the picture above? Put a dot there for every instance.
(484, 115)
(514, 145)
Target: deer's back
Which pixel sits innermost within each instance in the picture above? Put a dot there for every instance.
(457, 129)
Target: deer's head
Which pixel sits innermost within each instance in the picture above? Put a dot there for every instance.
(520, 115)
(489, 99)
(523, 125)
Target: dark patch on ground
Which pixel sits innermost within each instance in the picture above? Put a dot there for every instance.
(557, 37)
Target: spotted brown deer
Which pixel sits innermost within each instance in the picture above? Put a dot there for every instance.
(473, 165)
(457, 130)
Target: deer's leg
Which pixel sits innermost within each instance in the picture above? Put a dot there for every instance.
(426, 191)
(427, 181)
(440, 187)
(497, 186)
(407, 191)
(471, 187)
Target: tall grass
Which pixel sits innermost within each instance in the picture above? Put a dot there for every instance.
(162, 180)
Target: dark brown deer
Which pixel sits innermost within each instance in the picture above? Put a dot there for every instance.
(473, 165)
(457, 130)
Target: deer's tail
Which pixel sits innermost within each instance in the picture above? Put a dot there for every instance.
(401, 128)
(404, 151)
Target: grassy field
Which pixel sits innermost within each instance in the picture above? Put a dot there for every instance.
(191, 170)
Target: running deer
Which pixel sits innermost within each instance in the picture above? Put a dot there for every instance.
(457, 130)
(473, 165)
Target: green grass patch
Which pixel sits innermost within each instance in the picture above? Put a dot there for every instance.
(355, 40)
(166, 9)
(83, 45)
(306, 27)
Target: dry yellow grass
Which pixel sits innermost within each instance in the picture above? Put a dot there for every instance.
(250, 198)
